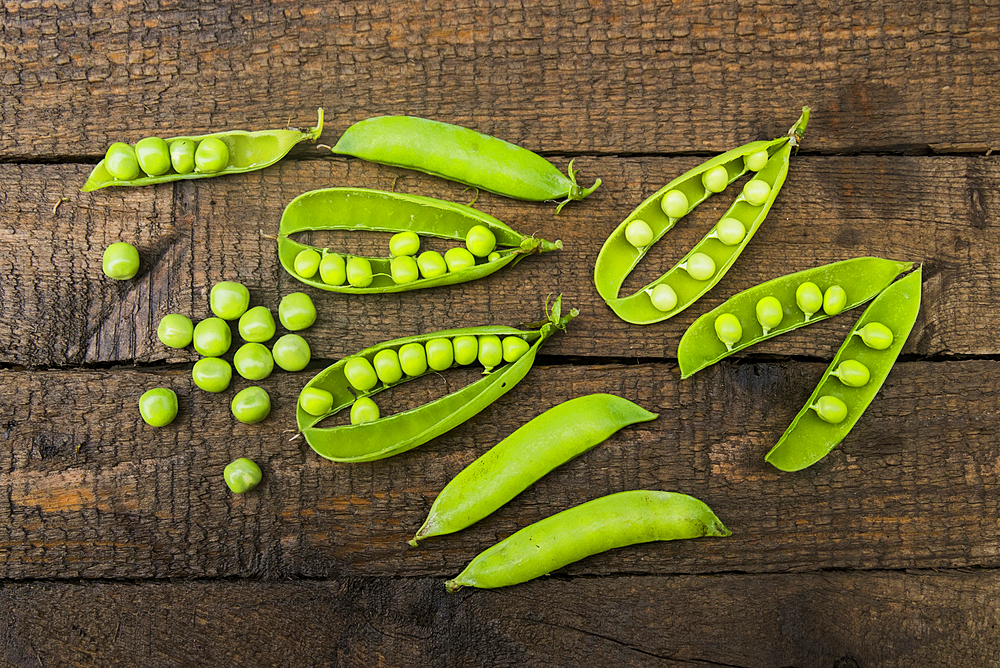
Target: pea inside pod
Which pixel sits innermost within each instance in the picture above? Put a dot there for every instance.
(363, 210)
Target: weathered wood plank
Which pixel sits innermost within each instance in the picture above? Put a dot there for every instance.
(91, 491)
(659, 77)
(846, 620)
(61, 310)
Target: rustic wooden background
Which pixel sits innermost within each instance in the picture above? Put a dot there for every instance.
(120, 544)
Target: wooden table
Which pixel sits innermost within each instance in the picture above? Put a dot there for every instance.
(122, 546)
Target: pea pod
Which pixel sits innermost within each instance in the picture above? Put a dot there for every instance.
(398, 433)
(616, 520)
(841, 398)
(551, 439)
(247, 151)
(709, 260)
(463, 155)
(360, 209)
(860, 278)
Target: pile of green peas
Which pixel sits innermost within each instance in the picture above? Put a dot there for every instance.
(154, 156)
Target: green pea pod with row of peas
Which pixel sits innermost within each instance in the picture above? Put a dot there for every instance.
(506, 353)
(490, 245)
(709, 260)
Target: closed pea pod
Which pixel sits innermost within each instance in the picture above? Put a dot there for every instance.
(609, 522)
(508, 468)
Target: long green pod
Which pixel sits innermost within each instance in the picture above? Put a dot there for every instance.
(394, 434)
(463, 155)
(553, 438)
(618, 256)
(612, 521)
(810, 437)
(364, 210)
(248, 151)
(861, 279)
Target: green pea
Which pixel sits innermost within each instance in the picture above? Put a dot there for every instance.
(513, 348)
(175, 330)
(360, 374)
(121, 261)
(730, 231)
(387, 368)
(876, 336)
(769, 313)
(404, 243)
(359, 272)
(834, 300)
(121, 163)
(212, 155)
(158, 407)
(212, 374)
(466, 349)
(728, 329)
(296, 311)
(257, 325)
(756, 161)
(212, 337)
(700, 266)
(364, 410)
(229, 300)
(852, 373)
(459, 258)
(153, 156)
(307, 262)
(664, 297)
(291, 352)
(756, 191)
(715, 179)
(182, 155)
(432, 264)
(674, 203)
(440, 354)
(490, 351)
(251, 405)
(333, 269)
(253, 361)
(480, 240)
(413, 359)
(404, 269)
(808, 298)
(639, 233)
(315, 401)
(493, 257)
(830, 409)
(241, 475)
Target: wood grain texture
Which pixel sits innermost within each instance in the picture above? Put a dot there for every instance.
(573, 77)
(827, 620)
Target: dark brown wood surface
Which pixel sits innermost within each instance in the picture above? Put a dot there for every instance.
(120, 544)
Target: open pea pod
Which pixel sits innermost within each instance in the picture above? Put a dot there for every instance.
(248, 151)
(853, 379)
(400, 432)
(709, 260)
(361, 209)
(770, 308)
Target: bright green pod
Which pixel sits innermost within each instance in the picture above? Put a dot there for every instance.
(247, 151)
(363, 210)
(723, 245)
(606, 523)
(821, 425)
(862, 278)
(553, 438)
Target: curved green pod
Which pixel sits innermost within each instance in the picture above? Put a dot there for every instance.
(398, 433)
(248, 151)
(810, 438)
(616, 520)
(618, 257)
(861, 278)
(508, 468)
(463, 155)
(364, 210)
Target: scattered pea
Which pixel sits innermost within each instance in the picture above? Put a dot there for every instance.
(664, 297)
(387, 366)
(360, 374)
(121, 261)
(333, 269)
(182, 155)
(674, 203)
(175, 330)
(212, 337)
(257, 325)
(480, 240)
(121, 163)
(728, 329)
(440, 354)
(404, 269)
(513, 348)
(834, 300)
(852, 373)
(291, 352)
(307, 262)
(315, 401)
(756, 161)
(212, 374)
(639, 233)
(153, 156)
(490, 351)
(404, 243)
(253, 361)
(830, 409)
(359, 272)
(212, 155)
(413, 359)
(809, 298)
(769, 313)
(715, 179)
(466, 349)
(364, 410)
(229, 300)
(296, 311)
(459, 258)
(241, 475)
(756, 191)
(432, 264)
(158, 407)
(876, 336)
(701, 267)
(730, 231)
(251, 405)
